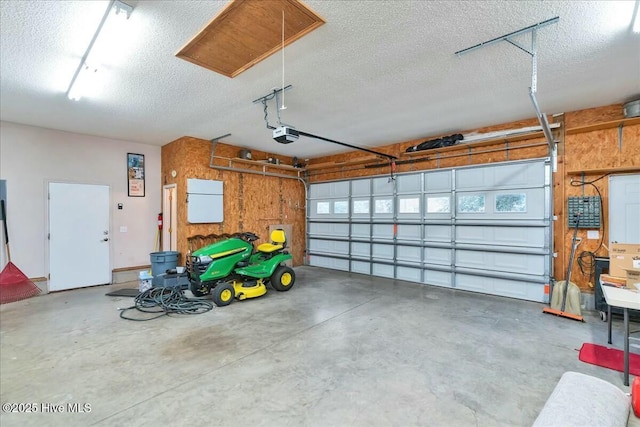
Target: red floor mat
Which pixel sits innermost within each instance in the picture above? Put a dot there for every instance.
(609, 358)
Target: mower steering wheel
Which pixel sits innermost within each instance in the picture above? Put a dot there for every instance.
(249, 236)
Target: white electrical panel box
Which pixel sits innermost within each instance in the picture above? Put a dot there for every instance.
(204, 201)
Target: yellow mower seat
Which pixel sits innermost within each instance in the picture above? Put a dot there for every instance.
(278, 242)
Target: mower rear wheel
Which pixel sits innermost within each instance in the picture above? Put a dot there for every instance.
(223, 294)
(283, 278)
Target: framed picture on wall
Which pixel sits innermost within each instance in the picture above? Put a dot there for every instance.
(135, 174)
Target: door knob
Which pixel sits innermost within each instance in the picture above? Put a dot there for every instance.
(106, 239)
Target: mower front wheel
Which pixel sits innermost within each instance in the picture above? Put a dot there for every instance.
(223, 294)
(283, 278)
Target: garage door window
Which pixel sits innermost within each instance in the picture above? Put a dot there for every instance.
(409, 205)
(341, 207)
(323, 208)
(511, 202)
(472, 203)
(440, 204)
(360, 206)
(384, 206)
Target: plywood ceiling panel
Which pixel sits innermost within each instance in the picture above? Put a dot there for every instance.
(248, 31)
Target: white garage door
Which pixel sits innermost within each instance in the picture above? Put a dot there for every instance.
(482, 228)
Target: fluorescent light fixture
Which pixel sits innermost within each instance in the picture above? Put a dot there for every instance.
(84, 79)
(636, 18)
(83, 83)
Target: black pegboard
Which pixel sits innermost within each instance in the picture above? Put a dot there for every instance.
(589, 209)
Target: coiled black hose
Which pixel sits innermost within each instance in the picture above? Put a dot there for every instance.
(166, 301)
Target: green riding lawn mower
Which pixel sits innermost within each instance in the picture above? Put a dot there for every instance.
(232, 268)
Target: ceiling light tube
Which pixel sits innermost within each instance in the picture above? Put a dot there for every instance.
(84, 74)
(82, 83)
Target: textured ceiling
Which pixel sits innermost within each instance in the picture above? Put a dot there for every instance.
(377, 72)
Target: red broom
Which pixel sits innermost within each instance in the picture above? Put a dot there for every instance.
(14, 285)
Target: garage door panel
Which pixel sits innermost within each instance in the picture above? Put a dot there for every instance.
(329, 190)
(408, 232)
(362, 250)
(505, 287)
(408, 274)
(383, 270)
(320, 190)
(497, 261)
(533, 237)
(360, 231)
(438, 256)
(381, 251)
(329, 246)
(437, 277)
(382, 231)
(361, 187)
(327, 262)
(328, 229)
(409, 183)
(382, 185)
(340, 189)
(361, 267)
(409, 254)
(437, 233)
(518, 175)
(439, 181)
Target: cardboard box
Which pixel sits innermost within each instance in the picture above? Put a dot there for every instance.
(633, 279)
(623, 257)
(618, 282)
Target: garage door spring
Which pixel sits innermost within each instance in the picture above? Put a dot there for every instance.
(166, 301)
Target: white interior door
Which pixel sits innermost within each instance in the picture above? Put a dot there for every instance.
(78, 236)
(169, 218)
(624, 208)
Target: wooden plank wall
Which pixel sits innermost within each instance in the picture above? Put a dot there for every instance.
(594, 150)
(588, 150)
(251, 202)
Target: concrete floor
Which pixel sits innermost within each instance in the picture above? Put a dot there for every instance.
(338, 349)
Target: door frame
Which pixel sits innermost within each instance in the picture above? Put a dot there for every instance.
(47, 183)
(610, 215)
